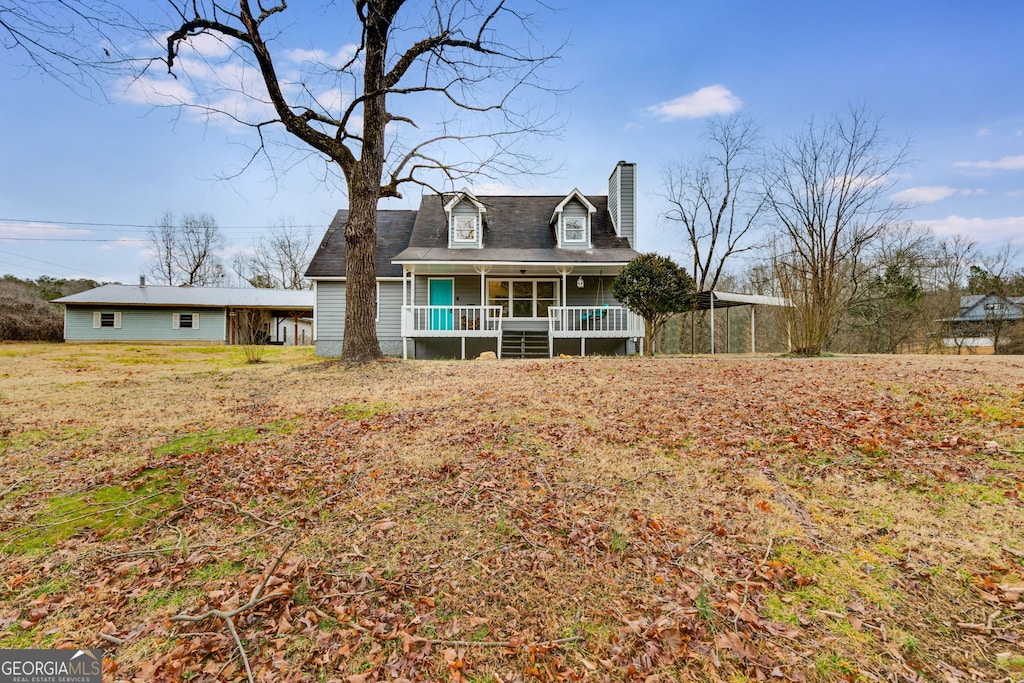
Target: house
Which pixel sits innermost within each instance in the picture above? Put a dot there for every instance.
(192, 315)
(518, 275)
(982, 322)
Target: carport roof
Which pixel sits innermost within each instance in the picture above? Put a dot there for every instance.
(706, 298)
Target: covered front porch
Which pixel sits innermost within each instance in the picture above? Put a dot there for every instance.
(515, 310)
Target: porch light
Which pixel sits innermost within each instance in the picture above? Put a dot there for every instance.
(579, 282)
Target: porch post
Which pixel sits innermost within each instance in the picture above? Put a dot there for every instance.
(752, 337)
(712, 323)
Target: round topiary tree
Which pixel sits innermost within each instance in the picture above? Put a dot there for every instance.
(655, 288)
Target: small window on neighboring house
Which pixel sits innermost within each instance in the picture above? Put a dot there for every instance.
(106, 319)
(575, 230)
(465, 228)
(185, 321)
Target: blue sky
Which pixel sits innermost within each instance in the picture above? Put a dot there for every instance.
(947, 76)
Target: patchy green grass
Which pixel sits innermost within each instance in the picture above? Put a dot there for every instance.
(360, 411)
(108, 511)
(213, 440)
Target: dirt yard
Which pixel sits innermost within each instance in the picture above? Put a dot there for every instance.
(581, 519)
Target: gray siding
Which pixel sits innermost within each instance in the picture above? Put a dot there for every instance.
(143, 324)
(330, 318)
(596, 292)
(622, 201)
(389, 323)
(330, 314)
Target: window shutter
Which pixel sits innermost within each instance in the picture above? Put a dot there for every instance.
(195, 321)
(117, 320)
(175, 321)
(96, 319)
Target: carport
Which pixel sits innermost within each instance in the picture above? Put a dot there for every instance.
(711, 299)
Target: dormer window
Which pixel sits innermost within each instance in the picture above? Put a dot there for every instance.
(571, 221)
(465, 229)
(574, 230)
(465, 221)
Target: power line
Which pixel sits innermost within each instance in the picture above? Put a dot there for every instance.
(48, 263)
(148, 226)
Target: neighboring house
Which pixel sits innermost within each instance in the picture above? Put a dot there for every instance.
(518, 275)
(982, 321)
(193, 315)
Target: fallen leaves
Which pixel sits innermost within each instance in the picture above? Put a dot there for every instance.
(574, 520)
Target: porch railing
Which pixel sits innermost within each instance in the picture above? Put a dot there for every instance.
(451, 321)
(594, 321)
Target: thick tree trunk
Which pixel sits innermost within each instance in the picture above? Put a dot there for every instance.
(360, 344)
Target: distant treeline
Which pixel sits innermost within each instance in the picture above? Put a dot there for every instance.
(26, 313)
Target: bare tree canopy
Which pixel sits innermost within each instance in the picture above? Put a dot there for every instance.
(76, 42)
(829, 190)
(186, 253)
(279, 259)
(716, 200)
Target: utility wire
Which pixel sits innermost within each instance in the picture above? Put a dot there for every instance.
(149, 226)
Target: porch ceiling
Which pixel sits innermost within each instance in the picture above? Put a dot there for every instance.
(514, 269)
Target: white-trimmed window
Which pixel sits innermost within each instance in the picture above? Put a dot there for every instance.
(185, 321)
(110, 319)
(522, 298)
(574, 230)
(465, 229)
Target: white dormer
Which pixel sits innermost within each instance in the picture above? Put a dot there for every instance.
(571, 220)
(465, 221)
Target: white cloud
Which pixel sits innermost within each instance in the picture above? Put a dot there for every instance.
(708, 101)
(929, 194)
(1010, 163)
(983, 132)
(23, 231)
(1007, 229)
(125, 242)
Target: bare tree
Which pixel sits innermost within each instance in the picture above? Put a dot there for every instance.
(279, 259)
(828, 188)
(714, 200)
(356, 111)
(186, 253)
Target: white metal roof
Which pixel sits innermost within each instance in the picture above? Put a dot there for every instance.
(727, 299)
(234, 297)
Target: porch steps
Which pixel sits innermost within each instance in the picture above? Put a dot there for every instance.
(524, 344)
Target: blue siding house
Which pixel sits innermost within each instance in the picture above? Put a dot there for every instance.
(186, 315)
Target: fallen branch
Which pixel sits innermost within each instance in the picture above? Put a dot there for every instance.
(111, 639)
(498, 643)
(645, 474)
(256, 598)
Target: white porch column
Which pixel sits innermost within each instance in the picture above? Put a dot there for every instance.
(712, 323)
(753, 348)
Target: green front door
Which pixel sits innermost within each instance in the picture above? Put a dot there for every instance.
(441, 292)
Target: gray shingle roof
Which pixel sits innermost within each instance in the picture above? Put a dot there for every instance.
(516, 229)
(153, 295)
(393, 230)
